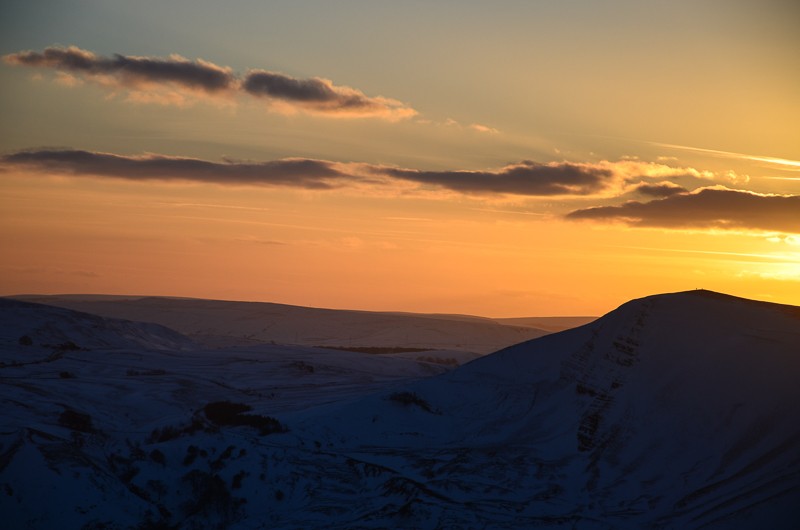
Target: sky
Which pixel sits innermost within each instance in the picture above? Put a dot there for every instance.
(512, 158)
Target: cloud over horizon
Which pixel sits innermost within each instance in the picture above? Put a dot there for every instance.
(143, 77)
(705, 208)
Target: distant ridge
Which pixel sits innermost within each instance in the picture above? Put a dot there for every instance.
(227, 323)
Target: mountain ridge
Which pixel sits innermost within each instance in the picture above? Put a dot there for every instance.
(215, 322)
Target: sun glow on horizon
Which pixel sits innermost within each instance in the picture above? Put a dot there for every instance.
(508, 175)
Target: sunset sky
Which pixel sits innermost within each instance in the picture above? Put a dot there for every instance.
(510, 158)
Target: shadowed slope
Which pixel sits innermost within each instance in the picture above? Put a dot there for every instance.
(675, 411)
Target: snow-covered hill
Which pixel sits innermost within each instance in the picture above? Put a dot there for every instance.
(42, 326)
(92, 407)
(217, 323)
(673, 411)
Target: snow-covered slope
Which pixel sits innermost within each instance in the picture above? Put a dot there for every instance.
(101, 416)
(674, 411)
(50, 327)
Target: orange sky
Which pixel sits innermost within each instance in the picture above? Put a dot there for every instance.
(479, 167)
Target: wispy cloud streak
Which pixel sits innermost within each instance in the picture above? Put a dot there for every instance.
(778, 163)
(792, 257)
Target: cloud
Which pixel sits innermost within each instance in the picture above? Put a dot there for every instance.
(522, 179)
(296, 172)
(130, 71)
(259, 241)
(705, 208)
(483, 128)
(771, 161)
(55, 271)
(787, 239)
(660, 189)
(633, 169)
(528, 178)
(171, 80)
(525, 178)
(450, 122)
(319, 95)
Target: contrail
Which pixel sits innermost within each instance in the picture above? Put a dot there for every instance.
(782, 163)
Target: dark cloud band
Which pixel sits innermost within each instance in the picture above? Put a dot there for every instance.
(320, 95)
(315, 95)
(304, 173)
(660, 189)
(705, 208)
(719, 208)
(310, 91)
(525, 178)
(130, 71)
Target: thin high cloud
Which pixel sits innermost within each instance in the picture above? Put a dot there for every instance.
(146, 79)
(773, 162)
(483, 128)
(705, 208)
(523, 179)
